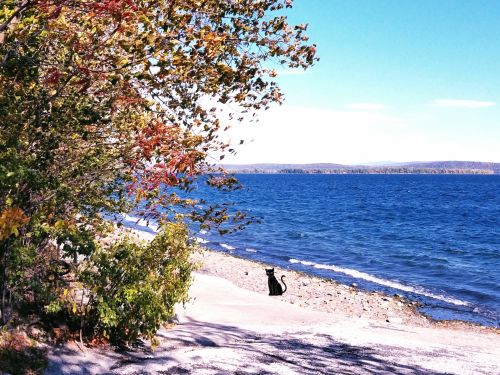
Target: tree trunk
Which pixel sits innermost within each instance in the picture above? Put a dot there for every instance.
(3, 283)
(5, 304)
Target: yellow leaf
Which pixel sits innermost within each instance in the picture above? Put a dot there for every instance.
(11, 219)
(59, 224)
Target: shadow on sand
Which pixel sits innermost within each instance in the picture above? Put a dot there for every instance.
(202, 348)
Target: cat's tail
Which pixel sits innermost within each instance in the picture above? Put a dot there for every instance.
(283, 281)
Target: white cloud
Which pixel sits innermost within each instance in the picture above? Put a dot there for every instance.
(459, 103)
(366, 106)
(289, 134)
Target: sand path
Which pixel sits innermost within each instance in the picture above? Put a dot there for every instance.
(230, 330)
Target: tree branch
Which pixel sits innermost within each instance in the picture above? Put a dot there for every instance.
(4, 26)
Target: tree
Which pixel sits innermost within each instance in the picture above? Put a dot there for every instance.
(103, 109)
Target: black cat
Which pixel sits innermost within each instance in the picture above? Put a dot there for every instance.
(275, 288)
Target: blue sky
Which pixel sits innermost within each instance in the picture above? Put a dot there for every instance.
(398, 80)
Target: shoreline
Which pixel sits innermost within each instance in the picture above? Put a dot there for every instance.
(361, 303)
(441, 302)
(324, 294)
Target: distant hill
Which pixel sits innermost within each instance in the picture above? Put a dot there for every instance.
(434, 167)
(495, 167)
(273, 168)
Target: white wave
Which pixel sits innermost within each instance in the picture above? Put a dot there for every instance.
(140, 222)
(377, 280)
(225, 246)
(304, 262)
(201, 240)
(251, 250)
(203, 231)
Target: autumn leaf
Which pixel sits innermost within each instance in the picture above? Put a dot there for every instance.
(11, 220)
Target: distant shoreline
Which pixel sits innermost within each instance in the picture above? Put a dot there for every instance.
(367, 172)
(436, 167)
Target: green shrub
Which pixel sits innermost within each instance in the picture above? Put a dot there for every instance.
(131, 288)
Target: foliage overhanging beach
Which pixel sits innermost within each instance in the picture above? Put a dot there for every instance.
(107, 106)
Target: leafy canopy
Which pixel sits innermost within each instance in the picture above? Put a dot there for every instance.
(105, 107)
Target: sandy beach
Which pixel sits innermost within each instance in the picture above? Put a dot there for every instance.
(232, 326)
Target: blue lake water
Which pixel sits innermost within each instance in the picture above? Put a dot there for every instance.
(431, 238)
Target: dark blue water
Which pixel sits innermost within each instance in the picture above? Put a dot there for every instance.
(431, 238)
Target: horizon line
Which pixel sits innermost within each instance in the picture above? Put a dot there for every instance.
(374, 163)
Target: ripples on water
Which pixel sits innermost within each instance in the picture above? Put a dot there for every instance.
(434, 238)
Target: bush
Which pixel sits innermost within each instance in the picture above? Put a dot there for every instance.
(130, 289)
